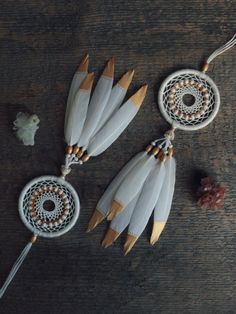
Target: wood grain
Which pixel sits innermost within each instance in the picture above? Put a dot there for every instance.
(192, 269)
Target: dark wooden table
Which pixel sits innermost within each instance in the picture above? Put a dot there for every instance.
(193, 267)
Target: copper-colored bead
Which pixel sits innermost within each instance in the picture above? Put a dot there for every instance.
(160, 153)
(155, 151)
(69, 150)
(80, 153)
(149, 148)
(33, 213)
(163, 157)
(76, 149)
(85, 158)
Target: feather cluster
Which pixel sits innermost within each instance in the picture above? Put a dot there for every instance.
(145, 185)
(94, 121)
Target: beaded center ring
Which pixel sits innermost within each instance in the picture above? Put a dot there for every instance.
(49, 206)
(182, 85)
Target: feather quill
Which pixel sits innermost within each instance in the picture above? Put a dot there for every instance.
(78, 111)
(117, 123)
(97, 104)
(163, 205)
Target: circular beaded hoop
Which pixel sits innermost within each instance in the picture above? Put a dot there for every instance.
(64, 206)
(198, 85)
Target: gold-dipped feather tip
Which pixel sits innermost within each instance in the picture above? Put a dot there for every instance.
(83, 67)
(138, 98)
(95, 220)
(157, 229)
(109, 69)
(126, 79)
(129, 243)
(116, 208)
(109, 238)
(87, 82)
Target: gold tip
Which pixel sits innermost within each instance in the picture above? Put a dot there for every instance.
(95, 220)
(87, 82)
(109, 238)
(83, 67)
(109, 69)
(129, 243)
(126, 79)
(116, 208)
(157, 229)
(139, 96)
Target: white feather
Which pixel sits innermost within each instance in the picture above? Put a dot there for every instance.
(77, 116)
(97, 104)
(105, 201)
(112, 129)
(115, 100)
(133, 183)
(74, 87)
(147, 200)
(163, 205)
(121, 221)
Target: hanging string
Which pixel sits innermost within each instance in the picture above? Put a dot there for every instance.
(17, 265)
(219, 51)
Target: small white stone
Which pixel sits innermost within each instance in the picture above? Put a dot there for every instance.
(26, 126)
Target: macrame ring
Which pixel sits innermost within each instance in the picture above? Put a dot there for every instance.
(202, 89)
(56, 219)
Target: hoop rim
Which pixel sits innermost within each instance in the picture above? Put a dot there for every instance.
(75, 198)
(176, 124)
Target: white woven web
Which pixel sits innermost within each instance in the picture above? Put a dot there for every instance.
(203, 91)
(41, 220)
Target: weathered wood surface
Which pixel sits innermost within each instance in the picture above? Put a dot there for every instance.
(192, 269)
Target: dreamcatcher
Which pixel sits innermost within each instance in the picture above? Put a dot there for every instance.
(49, 206)
(146, 184)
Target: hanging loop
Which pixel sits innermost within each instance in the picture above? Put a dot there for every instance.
(218, 52)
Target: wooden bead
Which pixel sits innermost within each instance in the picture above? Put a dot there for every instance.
(186, 82)
(192, 82)
(69, 150)
(149, 148)
(85, 158)
(163, 157)
(170, 151)
(155, 151)
(76, 149)
(80, 154)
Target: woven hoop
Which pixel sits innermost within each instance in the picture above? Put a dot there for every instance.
(205, 94)
(64, 202)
